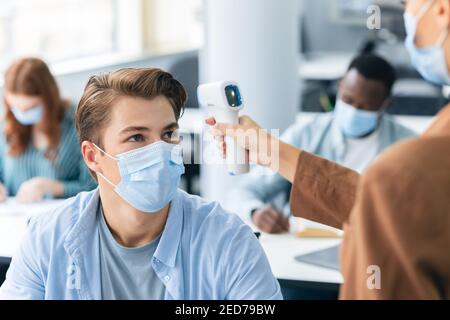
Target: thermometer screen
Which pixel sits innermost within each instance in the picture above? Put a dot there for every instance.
(233, 96)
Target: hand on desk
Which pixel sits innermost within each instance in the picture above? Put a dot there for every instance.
(270, 220)
(36, 189)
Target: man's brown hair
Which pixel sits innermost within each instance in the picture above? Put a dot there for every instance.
(102, 91)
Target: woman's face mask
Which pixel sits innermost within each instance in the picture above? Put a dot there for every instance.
(149, 176)
(29, 117)
(430, 61)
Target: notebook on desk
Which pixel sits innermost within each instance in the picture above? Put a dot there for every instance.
(327, 258)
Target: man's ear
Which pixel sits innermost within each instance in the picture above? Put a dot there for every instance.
(90, 155)
(443, 14)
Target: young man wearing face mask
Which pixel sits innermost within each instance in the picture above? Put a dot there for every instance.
(353, 135)
(137, 236)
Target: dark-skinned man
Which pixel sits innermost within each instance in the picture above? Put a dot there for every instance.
(353, 135)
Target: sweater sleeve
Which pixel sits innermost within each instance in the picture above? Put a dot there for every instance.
(323, 191)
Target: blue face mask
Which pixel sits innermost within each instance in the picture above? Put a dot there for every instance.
(29, 117)
(355, 123)
(430, 62)
(150, 176)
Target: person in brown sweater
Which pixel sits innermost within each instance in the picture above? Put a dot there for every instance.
(396, 215)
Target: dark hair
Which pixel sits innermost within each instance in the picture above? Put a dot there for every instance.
(376, 68)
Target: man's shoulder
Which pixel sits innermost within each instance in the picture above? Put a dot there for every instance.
(203, 210)
(300, 133)
(322, 119)
(220, 242)
(62, 218)
(400, 130)
(210, 217)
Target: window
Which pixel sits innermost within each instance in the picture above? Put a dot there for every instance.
(70, 30)
(56, 30)
(172, 25)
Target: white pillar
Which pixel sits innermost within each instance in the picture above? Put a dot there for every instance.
(256, 43)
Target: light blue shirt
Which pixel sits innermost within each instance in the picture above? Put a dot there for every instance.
(204, 253)
(125, 271)
(322, 137)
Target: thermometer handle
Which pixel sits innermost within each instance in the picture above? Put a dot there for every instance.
(237, 157)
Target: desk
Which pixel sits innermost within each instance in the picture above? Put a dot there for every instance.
(14, 218)
(281, 251)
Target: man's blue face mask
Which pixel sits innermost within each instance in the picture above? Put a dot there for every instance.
(355, 123)
(430, 62)
(150, 175)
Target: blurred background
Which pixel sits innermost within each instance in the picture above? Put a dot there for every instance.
(288, 57)
(79, 38)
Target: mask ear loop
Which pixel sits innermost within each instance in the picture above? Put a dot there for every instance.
(442, 38)
(101, 174)
(424, 10)
(107, 154)
(106, 179)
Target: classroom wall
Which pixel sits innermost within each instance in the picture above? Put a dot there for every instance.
(72, 84)
(184, 66)
(322, 33)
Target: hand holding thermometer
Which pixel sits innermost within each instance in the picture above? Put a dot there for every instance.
(224, 101)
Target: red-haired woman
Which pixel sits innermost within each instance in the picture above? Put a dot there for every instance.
(39, 152)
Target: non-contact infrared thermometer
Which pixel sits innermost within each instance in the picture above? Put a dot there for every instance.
(223, 100)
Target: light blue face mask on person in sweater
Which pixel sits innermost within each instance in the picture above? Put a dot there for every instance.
(150, 175)
(430, 61)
